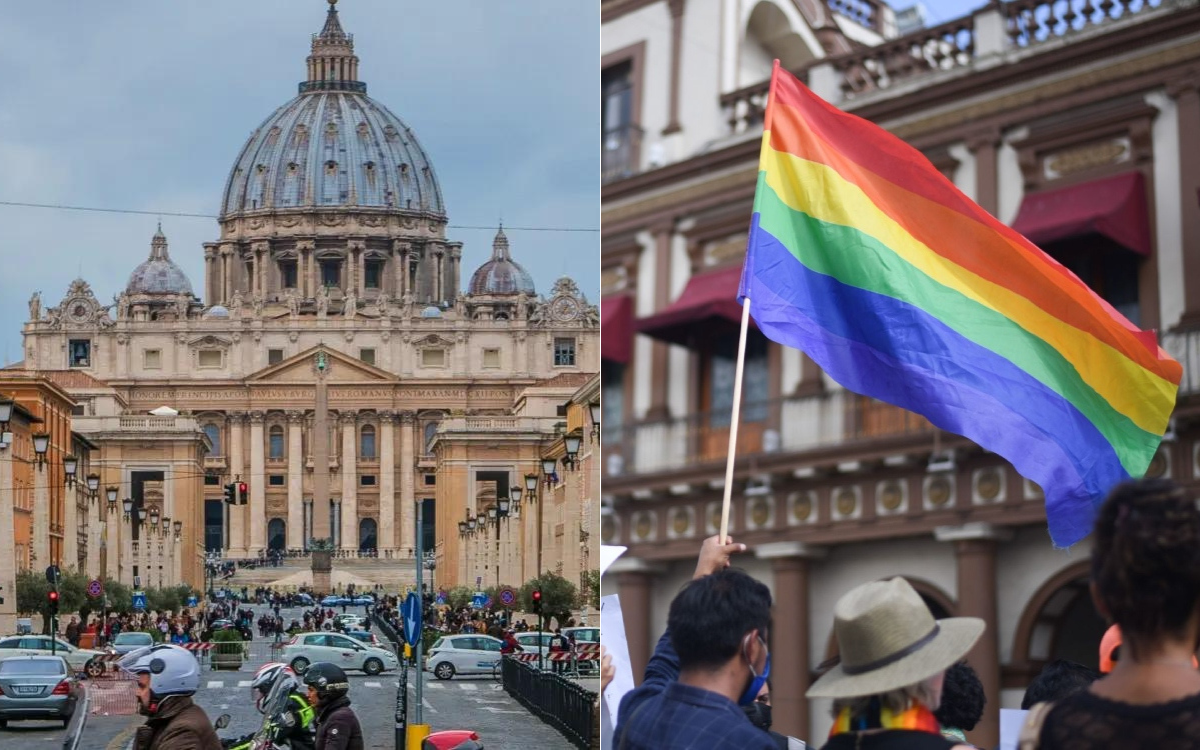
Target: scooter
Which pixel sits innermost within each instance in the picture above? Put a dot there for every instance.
(276, 720)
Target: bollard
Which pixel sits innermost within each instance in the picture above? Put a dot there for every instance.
(416, 735)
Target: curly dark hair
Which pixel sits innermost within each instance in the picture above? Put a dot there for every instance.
(962, 698)
(1146, 559)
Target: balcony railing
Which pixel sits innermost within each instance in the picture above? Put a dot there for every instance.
(621, 149)
(1184, 346)
(944, 47)
(787, 425)
(1033, 21)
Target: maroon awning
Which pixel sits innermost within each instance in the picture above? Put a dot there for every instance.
(616, 328)
(708, 298)
(1114, 207)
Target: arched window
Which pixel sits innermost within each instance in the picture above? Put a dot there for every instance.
(214, 437)
(366, 534)
(275, 442)
(276, 534)
(430, 431)
(366, 442)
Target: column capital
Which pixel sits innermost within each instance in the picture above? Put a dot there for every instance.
(261, 246)
(978, 139)
(305, 245)
(387, 416)
(407, 416)
(1188, 82)
(356, 246)
(235, 417)
(348, 416)
(257, 417)
(295, 416)
(785, 550)
(975, 531)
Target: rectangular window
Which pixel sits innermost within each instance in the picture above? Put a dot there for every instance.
(430, 480)
(152, 359)
(619, 134)
(79, 352)
(433, 357)
(79, 410)
(491, 359)
(560, 410)
(367, 355)
(330, 273)
(274, 356)
(275, 480)
(612, 400)
(372, 272)
(367, 480)
(564, 352)
(212, 480)
(287, 274)
(209, 358)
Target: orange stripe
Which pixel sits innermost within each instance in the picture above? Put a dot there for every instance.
(970, 244)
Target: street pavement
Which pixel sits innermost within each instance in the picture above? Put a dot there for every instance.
(476, 703)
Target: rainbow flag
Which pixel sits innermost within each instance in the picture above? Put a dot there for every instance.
(866, 257)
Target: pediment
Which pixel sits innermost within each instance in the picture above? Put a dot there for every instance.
(302, 368)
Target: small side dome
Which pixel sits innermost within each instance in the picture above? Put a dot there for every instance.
(158, 274)
(216, 311)
(431, 312)
(501, 274)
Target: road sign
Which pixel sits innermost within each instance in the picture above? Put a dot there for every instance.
(410, 611)
(508, 597)
(95, 588)
(52, 575)
(441, 597)
(480, 600)
(192, 601)
(139, 600)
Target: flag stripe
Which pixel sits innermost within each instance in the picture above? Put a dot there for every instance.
(873, 267)
(838, 202)
(980, 410)
(866, 155)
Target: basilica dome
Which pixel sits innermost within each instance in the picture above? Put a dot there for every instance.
(501, 274)
(158, 274)
(332, 146)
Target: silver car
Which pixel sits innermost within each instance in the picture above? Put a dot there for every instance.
(130, 641)
(463, 654)
(80, 659)
(342, 650)
(37, 687)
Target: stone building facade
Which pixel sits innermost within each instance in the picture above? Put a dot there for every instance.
(1072, 122)
(332, 245)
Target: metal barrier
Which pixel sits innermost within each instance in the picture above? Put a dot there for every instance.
(559, 702)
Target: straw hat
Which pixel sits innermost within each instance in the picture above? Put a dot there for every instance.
(888, 639)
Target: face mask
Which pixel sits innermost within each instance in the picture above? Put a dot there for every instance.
(759, 715)
(757, 680)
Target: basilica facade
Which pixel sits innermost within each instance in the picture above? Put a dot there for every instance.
(333, 249)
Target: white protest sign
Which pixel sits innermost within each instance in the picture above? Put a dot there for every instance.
(1011, 721)
(612, 635)
(608, 555)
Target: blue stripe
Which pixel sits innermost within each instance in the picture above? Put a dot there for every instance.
(898, 353)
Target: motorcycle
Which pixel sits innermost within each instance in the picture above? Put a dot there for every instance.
(277, 719)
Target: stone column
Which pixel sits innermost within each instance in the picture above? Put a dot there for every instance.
(400, 267)
(237, 470)
(635, 581)
(438, 275)
(295, 515)
(226, 270)
(673, 126)
(95, 515)
(256, 518)
(408, 509)
(984, 145)
(41, 515)
(387, 481)
(975, 551)
(1185, 90)
(113, 548)
(70, 547)
(8, 556)
(790, 563)
(349, 505)
(304, 250)
(659, 351)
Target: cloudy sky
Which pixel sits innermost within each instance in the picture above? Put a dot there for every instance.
(144, 105)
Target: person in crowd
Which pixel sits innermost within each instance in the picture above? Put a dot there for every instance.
(167, 678)
(1056, 681)
(337, 726)
(180, 636)
(963, 701)
(759, 714)
(72, 631)
(510, 644)
(558, 645)
(1145, 579)
(889, 679)
(712, 659)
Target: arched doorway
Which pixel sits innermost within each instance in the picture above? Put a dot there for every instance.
(277, 534)
(1060, 622)
(366, 534)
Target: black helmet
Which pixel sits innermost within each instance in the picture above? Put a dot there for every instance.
(328, 679)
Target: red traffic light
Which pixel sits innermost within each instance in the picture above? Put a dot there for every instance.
(53, 596)
(537, 596)
(242, 487)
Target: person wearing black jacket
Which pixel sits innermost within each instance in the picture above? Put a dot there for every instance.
(337, 726)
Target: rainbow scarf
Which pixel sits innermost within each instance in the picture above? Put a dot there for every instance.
(916, 717)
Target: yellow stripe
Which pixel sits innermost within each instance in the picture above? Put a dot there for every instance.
(1131, 389)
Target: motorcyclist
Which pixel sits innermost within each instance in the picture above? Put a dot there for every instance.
(337, 726)
(299, 731)
(167, 677)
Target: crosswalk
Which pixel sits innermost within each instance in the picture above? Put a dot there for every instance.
(466, 687)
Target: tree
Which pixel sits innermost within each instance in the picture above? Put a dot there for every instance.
(459, 597)
(120, 597)
(558, 596)
(33, 594)
(589, 594)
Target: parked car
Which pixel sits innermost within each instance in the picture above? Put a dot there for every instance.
(334, 601)
(533, 642)
(350, 622)
(80, 659)
(304, 599)
(463, 654)
(130, 641)
(342, 650)
(583, 635)
(37, 687)
(366, 637)
(362, 599)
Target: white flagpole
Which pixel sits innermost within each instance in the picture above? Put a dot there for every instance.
(733, 425)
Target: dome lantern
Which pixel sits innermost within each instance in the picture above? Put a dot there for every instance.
(333, 66)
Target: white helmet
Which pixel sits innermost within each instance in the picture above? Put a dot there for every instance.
(265, 678)
(173, 670)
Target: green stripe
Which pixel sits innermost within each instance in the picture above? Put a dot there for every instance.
(858, 259)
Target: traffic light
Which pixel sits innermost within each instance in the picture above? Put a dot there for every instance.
(537, 601)
(242, 493)
(53, 597)
(231, 493)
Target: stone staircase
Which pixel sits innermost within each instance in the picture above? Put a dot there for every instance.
(393, 575)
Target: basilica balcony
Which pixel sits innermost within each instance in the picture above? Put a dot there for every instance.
(835, 423)
(333, 463)
(217, 463)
